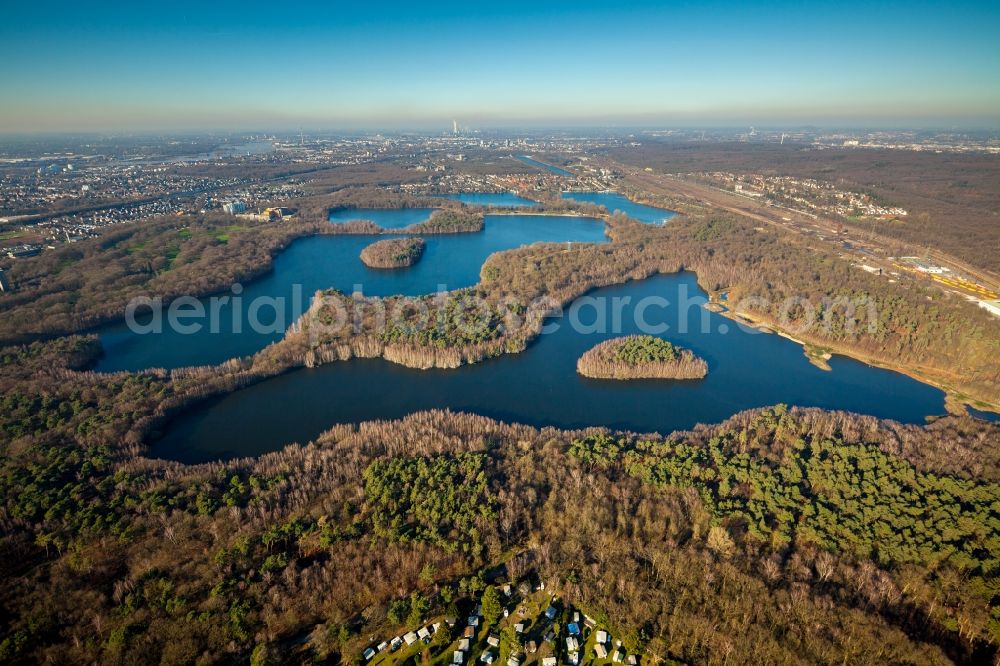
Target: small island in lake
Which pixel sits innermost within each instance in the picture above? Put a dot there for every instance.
(640, 357)
(393, 253)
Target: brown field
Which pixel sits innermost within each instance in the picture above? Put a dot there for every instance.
(954, 199)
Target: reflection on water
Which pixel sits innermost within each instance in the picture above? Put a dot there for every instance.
(450, 261)
(614, 201)
(540, 386)
(387, 218)
(490, 199)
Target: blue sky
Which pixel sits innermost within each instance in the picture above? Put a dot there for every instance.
(77, 66)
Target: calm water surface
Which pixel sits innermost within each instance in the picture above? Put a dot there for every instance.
(540, 386)
(992, 417)
(614, 201)
(490, 199)
(450, 261)
(547, 167)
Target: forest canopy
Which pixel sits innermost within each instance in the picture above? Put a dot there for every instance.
(393, 253)
(640, 357)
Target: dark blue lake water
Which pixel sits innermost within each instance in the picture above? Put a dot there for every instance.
(614, 201)
(540, 386)
(992, 417)
(490, 199)
(450, 261)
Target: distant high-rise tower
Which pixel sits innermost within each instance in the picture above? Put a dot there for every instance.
(454, 127)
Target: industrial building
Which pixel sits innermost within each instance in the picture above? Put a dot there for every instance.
(993, 307)
(924, 266)
(278, 213)
(234, 207)
(19, 251)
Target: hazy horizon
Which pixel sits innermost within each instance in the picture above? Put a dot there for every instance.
(72, 68)
(526, 130)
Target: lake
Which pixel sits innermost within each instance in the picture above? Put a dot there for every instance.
(992, 417)
(490, 199)
(320, 262)
(547, 167)
(614, 201)
(387, 218)
(540, 386)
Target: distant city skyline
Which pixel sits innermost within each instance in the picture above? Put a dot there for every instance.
(73, 67)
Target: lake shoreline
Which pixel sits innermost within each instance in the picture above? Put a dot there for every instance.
(954, 399)
(370, 366)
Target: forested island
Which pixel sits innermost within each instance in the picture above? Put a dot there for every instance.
(87, 283)
(640, 357)
(393, 252)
